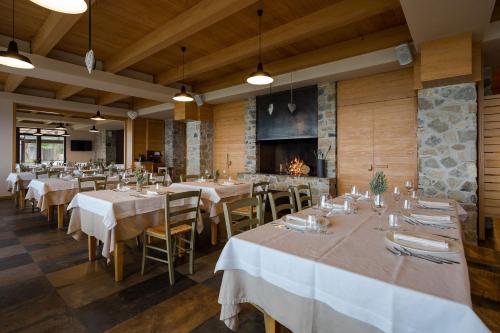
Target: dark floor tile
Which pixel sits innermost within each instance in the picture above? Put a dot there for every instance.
(14, 261)
(64, 261)
(108, 312)
(8, 242)
(19, 273)
(12, 250)
(250, 322)
(214, 282)
(24, 290)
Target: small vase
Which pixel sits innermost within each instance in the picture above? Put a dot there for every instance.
(378, 200)
(138, 187)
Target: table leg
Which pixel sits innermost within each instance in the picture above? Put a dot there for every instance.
(60, 216)
(118, 261)
(50, 213)
(92, 247)
(272, 326)
(22, 200)
(213, 232)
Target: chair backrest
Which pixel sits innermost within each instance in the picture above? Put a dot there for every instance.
(174, 211)
(303, 196)
(242, 224)
(41, 173)
(281, 202)
(53, 174)
(187, 178)
(100, 183)
(260, 189)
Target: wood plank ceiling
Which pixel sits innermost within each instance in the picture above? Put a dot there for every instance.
(221, 45)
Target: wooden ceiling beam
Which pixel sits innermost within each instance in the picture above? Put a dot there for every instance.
(197, 18)
(108, 98)
(50, 33)
(332, 17)
(372, 42)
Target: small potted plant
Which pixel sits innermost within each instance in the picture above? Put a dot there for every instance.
(139, 180)
(321, 164)
(216, 175)
(378, 185)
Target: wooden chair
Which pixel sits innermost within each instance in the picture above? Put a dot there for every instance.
(53, 174)
(277, 209)
(100, 183)
(234, 226)
(258, 189)
(41, 173)
(172, 231)
(187, 178)
(303, 196)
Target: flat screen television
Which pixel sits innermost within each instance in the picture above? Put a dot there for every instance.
(81, 145)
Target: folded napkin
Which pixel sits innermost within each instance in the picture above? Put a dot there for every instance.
(124, 189)
(228, 183)
(421, 240)
(434, 204)
(151, 193)
(333, 206)
(432, 218)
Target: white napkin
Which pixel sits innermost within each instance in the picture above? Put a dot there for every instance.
(151, 193)
(124, 189)
(432, 218)
(434, 204)
(228, 183)
(334, 206)
(421, 240)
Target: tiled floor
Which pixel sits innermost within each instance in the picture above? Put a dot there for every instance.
(47, 285)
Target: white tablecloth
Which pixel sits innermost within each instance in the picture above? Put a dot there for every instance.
(349, 270)
(19, 180)
(212, 193)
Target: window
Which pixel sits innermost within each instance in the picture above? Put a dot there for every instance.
(50, 147)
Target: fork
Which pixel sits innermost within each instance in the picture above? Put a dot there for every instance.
(443, 260)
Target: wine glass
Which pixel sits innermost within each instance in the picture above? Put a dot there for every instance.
(396, 193)
(224, 173)
(408, 186)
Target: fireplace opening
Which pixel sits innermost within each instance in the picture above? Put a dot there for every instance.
(290, 156)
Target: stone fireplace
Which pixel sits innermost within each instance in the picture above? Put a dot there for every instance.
(275, 156)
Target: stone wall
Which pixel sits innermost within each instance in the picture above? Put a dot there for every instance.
(251, 135)
(100, 145)
(111, 144)
(447, 133)
(199, 147)
(175, 146)
(327, 124)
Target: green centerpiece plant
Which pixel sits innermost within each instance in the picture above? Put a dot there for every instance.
(140, 179)
(378, 185)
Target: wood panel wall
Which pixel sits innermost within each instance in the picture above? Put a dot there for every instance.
(376, 129)
(489, 159)
(229, 137)
(149, 134)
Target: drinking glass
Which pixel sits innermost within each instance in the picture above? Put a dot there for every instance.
(414, 195)
(408, 186)
(396, 193)
(407, 206)
(311, 223)
(323, 200)
(348, 206)
(354, 190)
(393, 221)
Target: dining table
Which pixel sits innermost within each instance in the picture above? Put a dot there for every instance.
(213, 195)
(352, 276)
(114, 216)
(17, 183)
(58, 192)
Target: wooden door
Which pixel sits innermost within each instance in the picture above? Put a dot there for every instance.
(395, 140)
(229, 137)
(354, 147)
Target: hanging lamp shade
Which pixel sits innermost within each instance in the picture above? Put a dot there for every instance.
(97, 116)
(183, 95)
(63, 6)
(93, 130)
(60, 127)
(260, 76)
(38, 132)
(12, 58)
(65, 133)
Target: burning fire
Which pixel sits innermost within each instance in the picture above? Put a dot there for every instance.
(297, 167)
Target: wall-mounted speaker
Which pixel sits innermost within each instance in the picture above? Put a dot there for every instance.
(403, 53)
(199, 100)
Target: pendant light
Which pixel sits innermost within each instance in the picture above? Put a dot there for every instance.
(63, 6)
(97, 116)
(183, 95)
(90, 62)
(93, 130)
(60, 127)
(38, 132)
(65, 134)
(260, 77)
(12, 57)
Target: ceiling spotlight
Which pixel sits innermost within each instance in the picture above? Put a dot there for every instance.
(98, 116)
(93, 130)
(63, 6)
